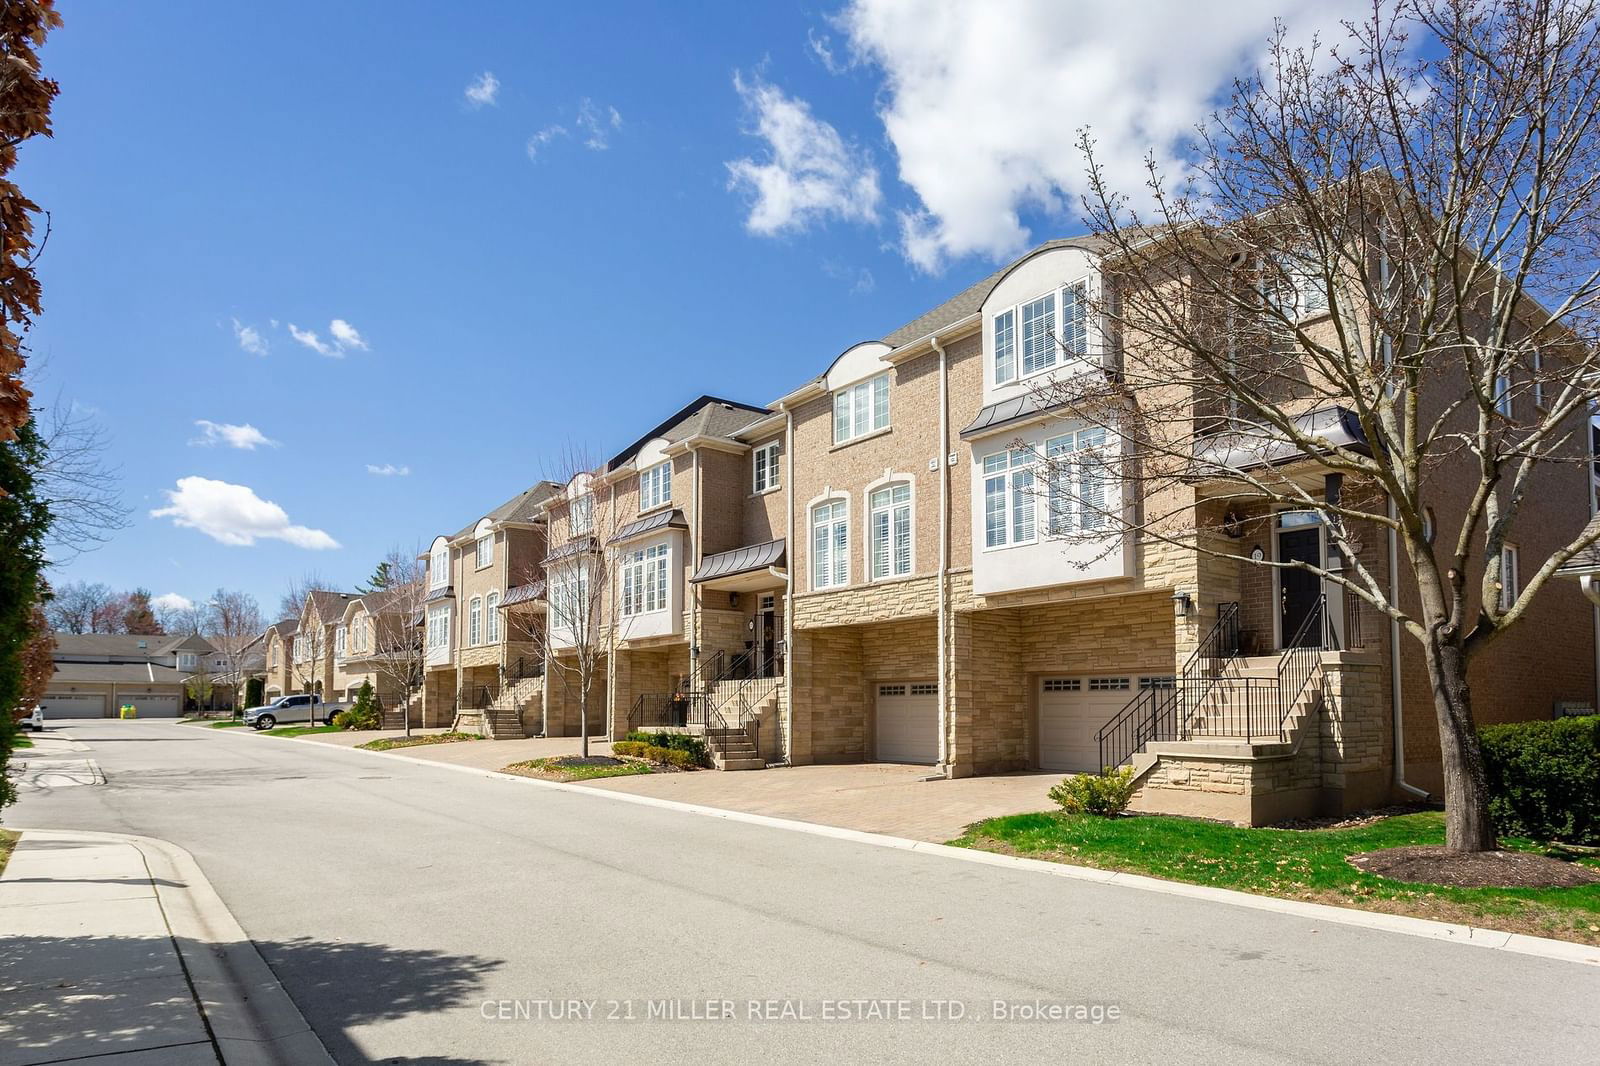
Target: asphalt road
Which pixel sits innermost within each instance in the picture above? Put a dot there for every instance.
(422, 915)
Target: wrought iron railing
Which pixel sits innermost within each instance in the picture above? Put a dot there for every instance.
(523, 667)
(670, 710)
(476, 697)
(709, 666)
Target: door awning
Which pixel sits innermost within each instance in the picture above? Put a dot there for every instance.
(751, 563)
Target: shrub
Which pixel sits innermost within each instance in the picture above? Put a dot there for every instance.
(1105, 794)
(694, 746)
(364, 715)
(634, 749)
(255, 691)
(651, 752)
(1544, 778)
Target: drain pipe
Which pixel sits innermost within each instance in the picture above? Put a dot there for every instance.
(944, 553)
(1400, 781)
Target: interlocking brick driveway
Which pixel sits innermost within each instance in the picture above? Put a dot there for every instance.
(872, 797)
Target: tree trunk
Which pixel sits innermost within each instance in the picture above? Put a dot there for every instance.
(583, 717)
(1467, 826)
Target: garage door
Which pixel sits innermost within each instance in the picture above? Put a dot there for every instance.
(154, 706)
(908, 722)
(1072, 710)
(73, 705)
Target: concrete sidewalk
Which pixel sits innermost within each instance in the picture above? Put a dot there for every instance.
(116, 950)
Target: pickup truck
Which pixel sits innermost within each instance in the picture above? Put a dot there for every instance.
(293, 710)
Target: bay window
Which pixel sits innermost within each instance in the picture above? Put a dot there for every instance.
(438, 626)
(580, 515)
(861, 409)
(644, 580)
(889, 519)
(1053, 327)
(1080, 482)
(439, 568)
(1008, 512)
(830, 544)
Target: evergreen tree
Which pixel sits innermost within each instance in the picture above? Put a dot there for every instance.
(382, 577)
(139, 617)
(24, 520)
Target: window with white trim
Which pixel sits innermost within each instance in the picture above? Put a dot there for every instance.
(339, 638)
(1053, 327)
(491, 604)
(764, 467)
(1008, 512)
(485, 551)
(475, 621)
(889, 523)
(655, 486)
(1502, 394)
(1080, 483)
(861, 409)
(644, 580)
(1510, 579)
(580, 516)
(438, 626)
(830, 544)
(186, 660)
(569, 601)
(439, 568)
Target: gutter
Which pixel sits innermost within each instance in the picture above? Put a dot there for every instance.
(1395, 699)
(944, 554)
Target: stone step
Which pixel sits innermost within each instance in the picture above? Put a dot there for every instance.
(750, 763)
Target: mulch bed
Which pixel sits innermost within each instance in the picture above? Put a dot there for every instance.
(1432, 865)
(579, 760)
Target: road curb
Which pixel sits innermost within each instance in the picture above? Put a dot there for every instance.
(252, 1020)
(1405, 925)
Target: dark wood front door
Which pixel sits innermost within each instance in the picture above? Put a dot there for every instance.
(1300, 592)
(768, 622)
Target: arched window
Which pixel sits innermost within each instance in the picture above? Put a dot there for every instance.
(475, 621)
(830, 544)
(492, 602)
(889, 527)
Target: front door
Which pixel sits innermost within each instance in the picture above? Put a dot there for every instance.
(767, 628)
(1300, 591)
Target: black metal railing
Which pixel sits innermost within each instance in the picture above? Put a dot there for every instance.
(670, 710)
(1302, 657)
(709, 666)
(523, 667)
(476, 697)
(1160, 713)
(1353, 610)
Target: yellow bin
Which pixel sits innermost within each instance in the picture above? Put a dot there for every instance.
(129, 711)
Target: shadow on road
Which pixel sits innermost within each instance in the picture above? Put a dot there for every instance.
(65, 996)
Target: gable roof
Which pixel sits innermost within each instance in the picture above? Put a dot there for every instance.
(709, 416)
(127, 645)
(329, 604)
(1588, 560)
(287, 628)
(385, 600)
(525, 506)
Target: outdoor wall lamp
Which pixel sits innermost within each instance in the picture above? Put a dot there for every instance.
(1182, 604)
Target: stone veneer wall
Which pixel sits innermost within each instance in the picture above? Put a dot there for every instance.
(1340, 763)
(635, 671)
(561, 700)
(829, 694)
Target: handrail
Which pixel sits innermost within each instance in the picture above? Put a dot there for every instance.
(704, 666)
(1301, 659)
(1148, 717)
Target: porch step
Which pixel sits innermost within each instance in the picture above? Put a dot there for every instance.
(503, 724)
(746, 763)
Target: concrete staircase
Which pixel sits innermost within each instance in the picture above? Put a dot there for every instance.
(503, 718)
(395, 717)
(735, 747)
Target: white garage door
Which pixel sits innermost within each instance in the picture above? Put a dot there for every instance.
(1072, 710)
(73, 705)
(166, 706)
(908, 722)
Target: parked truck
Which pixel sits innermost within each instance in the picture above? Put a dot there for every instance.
(301, 708)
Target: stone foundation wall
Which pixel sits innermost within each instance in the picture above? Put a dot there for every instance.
(830, 713)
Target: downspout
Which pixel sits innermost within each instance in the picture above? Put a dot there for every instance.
(944, 554)
(788, 588)
(1400, 781)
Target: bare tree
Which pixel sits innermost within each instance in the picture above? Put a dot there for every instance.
(234, 628)
(189, 620)
(83, 489)
(1404, 232)
(576, 637)
(293, 600)
(77, 606)
(400, 655)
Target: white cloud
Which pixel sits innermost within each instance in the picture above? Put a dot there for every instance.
(983, 102)
(345, 335)
(860, 278)
(388, 470)
(822, 48)
(596, 123)
(542, 138)
(171, 601)
(310, 339)
(345, 338)
(484, 91)
(235, 515)
(811, 172)
(249, 338)
(246, 437)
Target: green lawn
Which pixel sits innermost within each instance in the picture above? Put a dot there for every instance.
(23, 740)
(299, 730)
(232, 723)
(8, 840)
(553, 769)
(390, 743)
(1296, 864)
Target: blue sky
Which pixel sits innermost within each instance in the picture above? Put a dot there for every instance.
(636, 203)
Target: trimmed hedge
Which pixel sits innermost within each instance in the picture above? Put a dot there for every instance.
(1544, 778)
(694, 746)
(638, 749)
(1106, 795)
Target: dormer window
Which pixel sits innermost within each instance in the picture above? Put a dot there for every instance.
(581, 515)
(1054, 327)
(439, 567)
(485, 551)
(655, 487)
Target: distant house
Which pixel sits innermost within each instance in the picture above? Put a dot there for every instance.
(98, 673)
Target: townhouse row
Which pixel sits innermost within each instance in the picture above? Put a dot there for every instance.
(873, 568)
